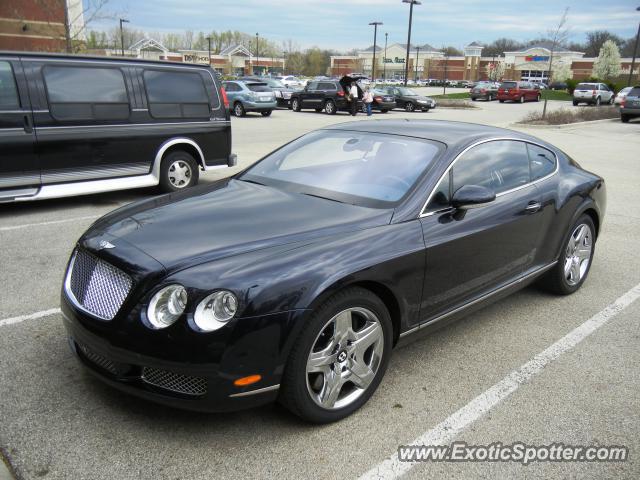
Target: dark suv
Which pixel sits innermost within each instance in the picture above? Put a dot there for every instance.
(75, 125)
(327, 95)
(630, 105)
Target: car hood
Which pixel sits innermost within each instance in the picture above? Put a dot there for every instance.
(229, 218)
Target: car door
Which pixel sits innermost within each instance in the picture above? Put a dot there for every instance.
(19, 167)
(232, 89)
(310, 96)
(470, 253)
(606, 93)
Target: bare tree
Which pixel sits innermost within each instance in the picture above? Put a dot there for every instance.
(558, 36)
(89, 11)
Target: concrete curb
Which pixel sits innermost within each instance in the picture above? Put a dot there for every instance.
(564, 125)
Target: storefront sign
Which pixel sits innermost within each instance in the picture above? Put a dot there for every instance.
(195, 58)
(393, 60)
(536, 58)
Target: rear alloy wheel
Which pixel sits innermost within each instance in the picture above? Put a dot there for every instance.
(266, 113)
(295, 105)
(178, 171)
(330, 107)
(409, 107)
(340, 357)
(598, 102)
(574, 263)
(238, 110)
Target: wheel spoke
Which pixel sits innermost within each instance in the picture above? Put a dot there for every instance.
(366, 337)
(575, 272)
(331, 388)
(583, 253)
(318, 361)
(361, 374)
(581, 233)
(343, 326)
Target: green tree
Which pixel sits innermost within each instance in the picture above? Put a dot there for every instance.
(607, 65)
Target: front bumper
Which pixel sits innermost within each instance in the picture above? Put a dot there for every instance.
(183, 368)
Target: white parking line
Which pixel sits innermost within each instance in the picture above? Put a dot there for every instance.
(31, 316)
(52, 222)
(447, 430)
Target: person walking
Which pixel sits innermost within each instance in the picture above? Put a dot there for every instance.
(367, 98)
(353, 93)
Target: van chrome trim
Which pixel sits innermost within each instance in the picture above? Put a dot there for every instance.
(479, 299)
(480, 142)
(170, 143)
(255, 392)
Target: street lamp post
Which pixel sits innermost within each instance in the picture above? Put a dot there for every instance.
(209, 43)
(384, 60)
(417, 60)
(257, 52)
(635, 51)
(406, 64)
(375, 37)
(122, 20)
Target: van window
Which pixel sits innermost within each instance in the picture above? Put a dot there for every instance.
(86, 93)
(8, 91)
(176, 94)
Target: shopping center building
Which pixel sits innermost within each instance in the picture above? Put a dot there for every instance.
(531, 64)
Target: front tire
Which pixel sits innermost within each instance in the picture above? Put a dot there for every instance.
(522, 99)
(625, 118)
(330, 107)
(266, 113)
(575, 260)
(575, 104)
(295, 105)
(598, 102)
(409, 107)
(340, 357)
(178, 171)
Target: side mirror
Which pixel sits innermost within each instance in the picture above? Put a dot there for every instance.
(472, 196)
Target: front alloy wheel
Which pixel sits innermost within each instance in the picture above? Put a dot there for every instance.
(409, 107)
(340, 357)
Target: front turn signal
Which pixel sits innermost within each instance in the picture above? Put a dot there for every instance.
(244, 381)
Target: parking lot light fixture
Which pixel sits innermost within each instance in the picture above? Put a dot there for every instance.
(384, 60)
(122, 20)
(375, 37)
(417, 61)
(209, 43)
(635, 52)
(406, 63)
(257, 53)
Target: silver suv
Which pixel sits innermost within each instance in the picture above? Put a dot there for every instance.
(592, 93)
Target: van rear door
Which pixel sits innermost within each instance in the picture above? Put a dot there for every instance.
(19, 169)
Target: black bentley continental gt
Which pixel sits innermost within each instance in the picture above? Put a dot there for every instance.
(294, 279)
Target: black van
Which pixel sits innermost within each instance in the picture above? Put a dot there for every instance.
(73, 125)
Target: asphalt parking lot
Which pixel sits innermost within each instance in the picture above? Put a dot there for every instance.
(57, 422)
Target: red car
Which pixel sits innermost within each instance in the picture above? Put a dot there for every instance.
(518, 92)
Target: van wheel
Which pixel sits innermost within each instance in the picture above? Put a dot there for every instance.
(266, 113)
(522, 99)
(330, 107)
(178, 171)
(295, 105)
(238, 110)
(409, 107)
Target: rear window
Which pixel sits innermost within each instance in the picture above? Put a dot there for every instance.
(86, 93)
(258, 87)
(8, 92)
(635, 92)
(176, 94)
(508, 85)
(586, 86)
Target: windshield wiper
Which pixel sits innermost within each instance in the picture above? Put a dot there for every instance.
(251, 181)
(320, 196)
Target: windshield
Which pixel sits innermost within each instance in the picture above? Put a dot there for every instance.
(366, 169)
(407, 92)
(586, 86)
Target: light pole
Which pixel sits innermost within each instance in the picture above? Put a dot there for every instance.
(417, 60)
(122, 20)
(406, 64)
(635, 51)
(375, 36)
(384, 60)
(209, 43)
(257, 51)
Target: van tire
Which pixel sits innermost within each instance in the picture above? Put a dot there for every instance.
(522, 99)
(186, 166)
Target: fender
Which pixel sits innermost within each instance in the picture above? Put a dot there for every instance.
(155, 170)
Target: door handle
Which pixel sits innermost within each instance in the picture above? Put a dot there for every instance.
(28, 127)
(533, 207)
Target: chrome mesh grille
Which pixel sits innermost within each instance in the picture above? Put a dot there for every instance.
(176, 382)
(99, 360)
(97, 287)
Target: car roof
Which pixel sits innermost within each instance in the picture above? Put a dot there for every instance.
(453, 134)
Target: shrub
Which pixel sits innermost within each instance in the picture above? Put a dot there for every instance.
(571, 85)
(571, 115)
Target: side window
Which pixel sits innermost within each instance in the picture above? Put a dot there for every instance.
(441, 195)
(8, 91)
(313, 86)
(326, 86)
(542, 161)
(231, 87)
(176, 94)
(500, 165)
(86, 93)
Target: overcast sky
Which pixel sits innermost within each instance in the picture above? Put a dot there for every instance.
(343, 24)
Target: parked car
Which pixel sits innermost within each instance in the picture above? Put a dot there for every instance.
(558, 86)
(382, 101)
(250, 96)
(485, 90)
(621, 95)
(73, 125)
(409, 100)
(592, 94)
(518, 92)
(630, 105)
(295, 279)
(327, 95)
(282, 92)
(466, 84)
(291, 81)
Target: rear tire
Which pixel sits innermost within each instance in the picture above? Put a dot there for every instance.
(575, 104)
(409, 107)
(330, 107)
(178, 171)
(625, 118)
(238, 110)
(538, 98)
(473, 99)
(598, 102)
(501, 101)
(266, 113)
(522, 99)
(301, 391)
(568, 275)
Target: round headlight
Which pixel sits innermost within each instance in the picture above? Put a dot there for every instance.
(166, 306)
(215, 310)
